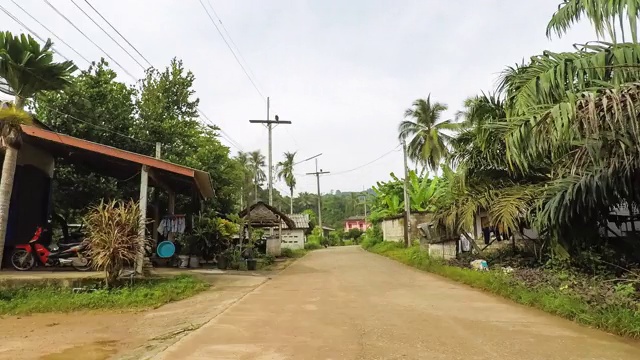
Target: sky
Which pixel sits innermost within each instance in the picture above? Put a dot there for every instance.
(343, 72)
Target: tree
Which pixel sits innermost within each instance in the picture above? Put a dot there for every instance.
(247, 177)
(106, 110)
(27, 69)
(604, 15)
(256, 163)
(427, 135)
(285, 172)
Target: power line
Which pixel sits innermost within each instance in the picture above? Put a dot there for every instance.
(30, 30)
(109, 35)
(230, 49)
(50, 31)
(231, 39)
(367, 164)
(118, 32)
(88, 38)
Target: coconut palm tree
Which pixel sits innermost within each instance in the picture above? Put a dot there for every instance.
(26, 68)
(256, 163)
(427, 135)
(285, 172)
(247, 177)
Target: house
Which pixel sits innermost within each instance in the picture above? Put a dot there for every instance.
(356, 222)
(30, 204)
(295, 238)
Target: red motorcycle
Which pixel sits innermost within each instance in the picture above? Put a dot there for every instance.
(74, 254)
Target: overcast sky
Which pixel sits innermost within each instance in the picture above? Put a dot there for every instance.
(342, 71)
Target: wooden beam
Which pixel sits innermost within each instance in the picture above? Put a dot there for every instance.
(144, 187)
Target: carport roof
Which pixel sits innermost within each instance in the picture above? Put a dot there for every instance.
(118, 163)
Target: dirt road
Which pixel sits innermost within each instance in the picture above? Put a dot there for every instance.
(345, 303)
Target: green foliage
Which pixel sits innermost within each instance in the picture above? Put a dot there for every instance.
(10, 121)
(312, 246)
(315, 237)
(28, 68)
(354, 234)
(113, 236)
(162, 109)
(427, 135)
(617, 316)
(372, 237)
(142, 294)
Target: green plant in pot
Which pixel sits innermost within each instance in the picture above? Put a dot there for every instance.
(183, 254)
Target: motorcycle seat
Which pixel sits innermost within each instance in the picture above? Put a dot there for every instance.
(68, 245)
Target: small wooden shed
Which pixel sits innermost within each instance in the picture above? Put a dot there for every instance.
(261, 215)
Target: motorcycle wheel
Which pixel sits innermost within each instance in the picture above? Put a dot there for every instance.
(83, 264)
(22, 260)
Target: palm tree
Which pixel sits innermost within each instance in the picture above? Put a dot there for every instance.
(604, 15)
(427, 135)
(26, 69)
(285, 172)
(256, 163)
(247, 177)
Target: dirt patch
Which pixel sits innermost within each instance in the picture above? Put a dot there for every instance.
(127, 334)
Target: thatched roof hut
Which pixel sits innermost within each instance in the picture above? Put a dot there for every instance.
(264, 215)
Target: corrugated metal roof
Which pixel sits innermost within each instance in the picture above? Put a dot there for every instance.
(301, 220)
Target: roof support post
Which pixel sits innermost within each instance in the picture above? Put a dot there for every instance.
(144, 186)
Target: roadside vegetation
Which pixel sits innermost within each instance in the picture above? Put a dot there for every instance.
(595, 301)
(142, 294)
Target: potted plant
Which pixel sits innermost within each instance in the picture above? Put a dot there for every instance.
(183, 255)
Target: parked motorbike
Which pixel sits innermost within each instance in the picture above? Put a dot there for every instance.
(25, 256)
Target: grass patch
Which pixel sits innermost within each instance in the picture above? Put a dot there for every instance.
(143, 294)
(614, 318)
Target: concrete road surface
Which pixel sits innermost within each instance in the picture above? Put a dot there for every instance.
(345, 303)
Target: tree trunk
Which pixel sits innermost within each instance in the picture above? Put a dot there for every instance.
(6, 188)
(291, 201)
(19, 102)
(256, 192)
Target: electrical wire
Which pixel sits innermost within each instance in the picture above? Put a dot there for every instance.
(50, 31)
(364, 165)
(231, 49)
(232, 42)
(90, 40)
(9, 14)
(109, 35)
(118, 32)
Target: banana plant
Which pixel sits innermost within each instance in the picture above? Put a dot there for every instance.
(422, 192)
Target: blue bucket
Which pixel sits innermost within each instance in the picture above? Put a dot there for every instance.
(166, 249)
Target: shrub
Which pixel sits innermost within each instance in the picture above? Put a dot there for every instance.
(372, 237)
(312, 246)
(286, 252)
(113, 237)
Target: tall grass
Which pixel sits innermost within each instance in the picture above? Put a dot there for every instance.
(614, 318)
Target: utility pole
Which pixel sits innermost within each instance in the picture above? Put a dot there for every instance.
(317, 174)
(407, 205)
(269, 123)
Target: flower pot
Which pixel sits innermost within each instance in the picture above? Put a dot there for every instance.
(184, 261)
(223, 263)
(252, 264)
(194, 261)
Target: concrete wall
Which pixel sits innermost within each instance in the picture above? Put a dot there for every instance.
(274, 247)
(445, 250)
(293, 239)
(393, 229)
